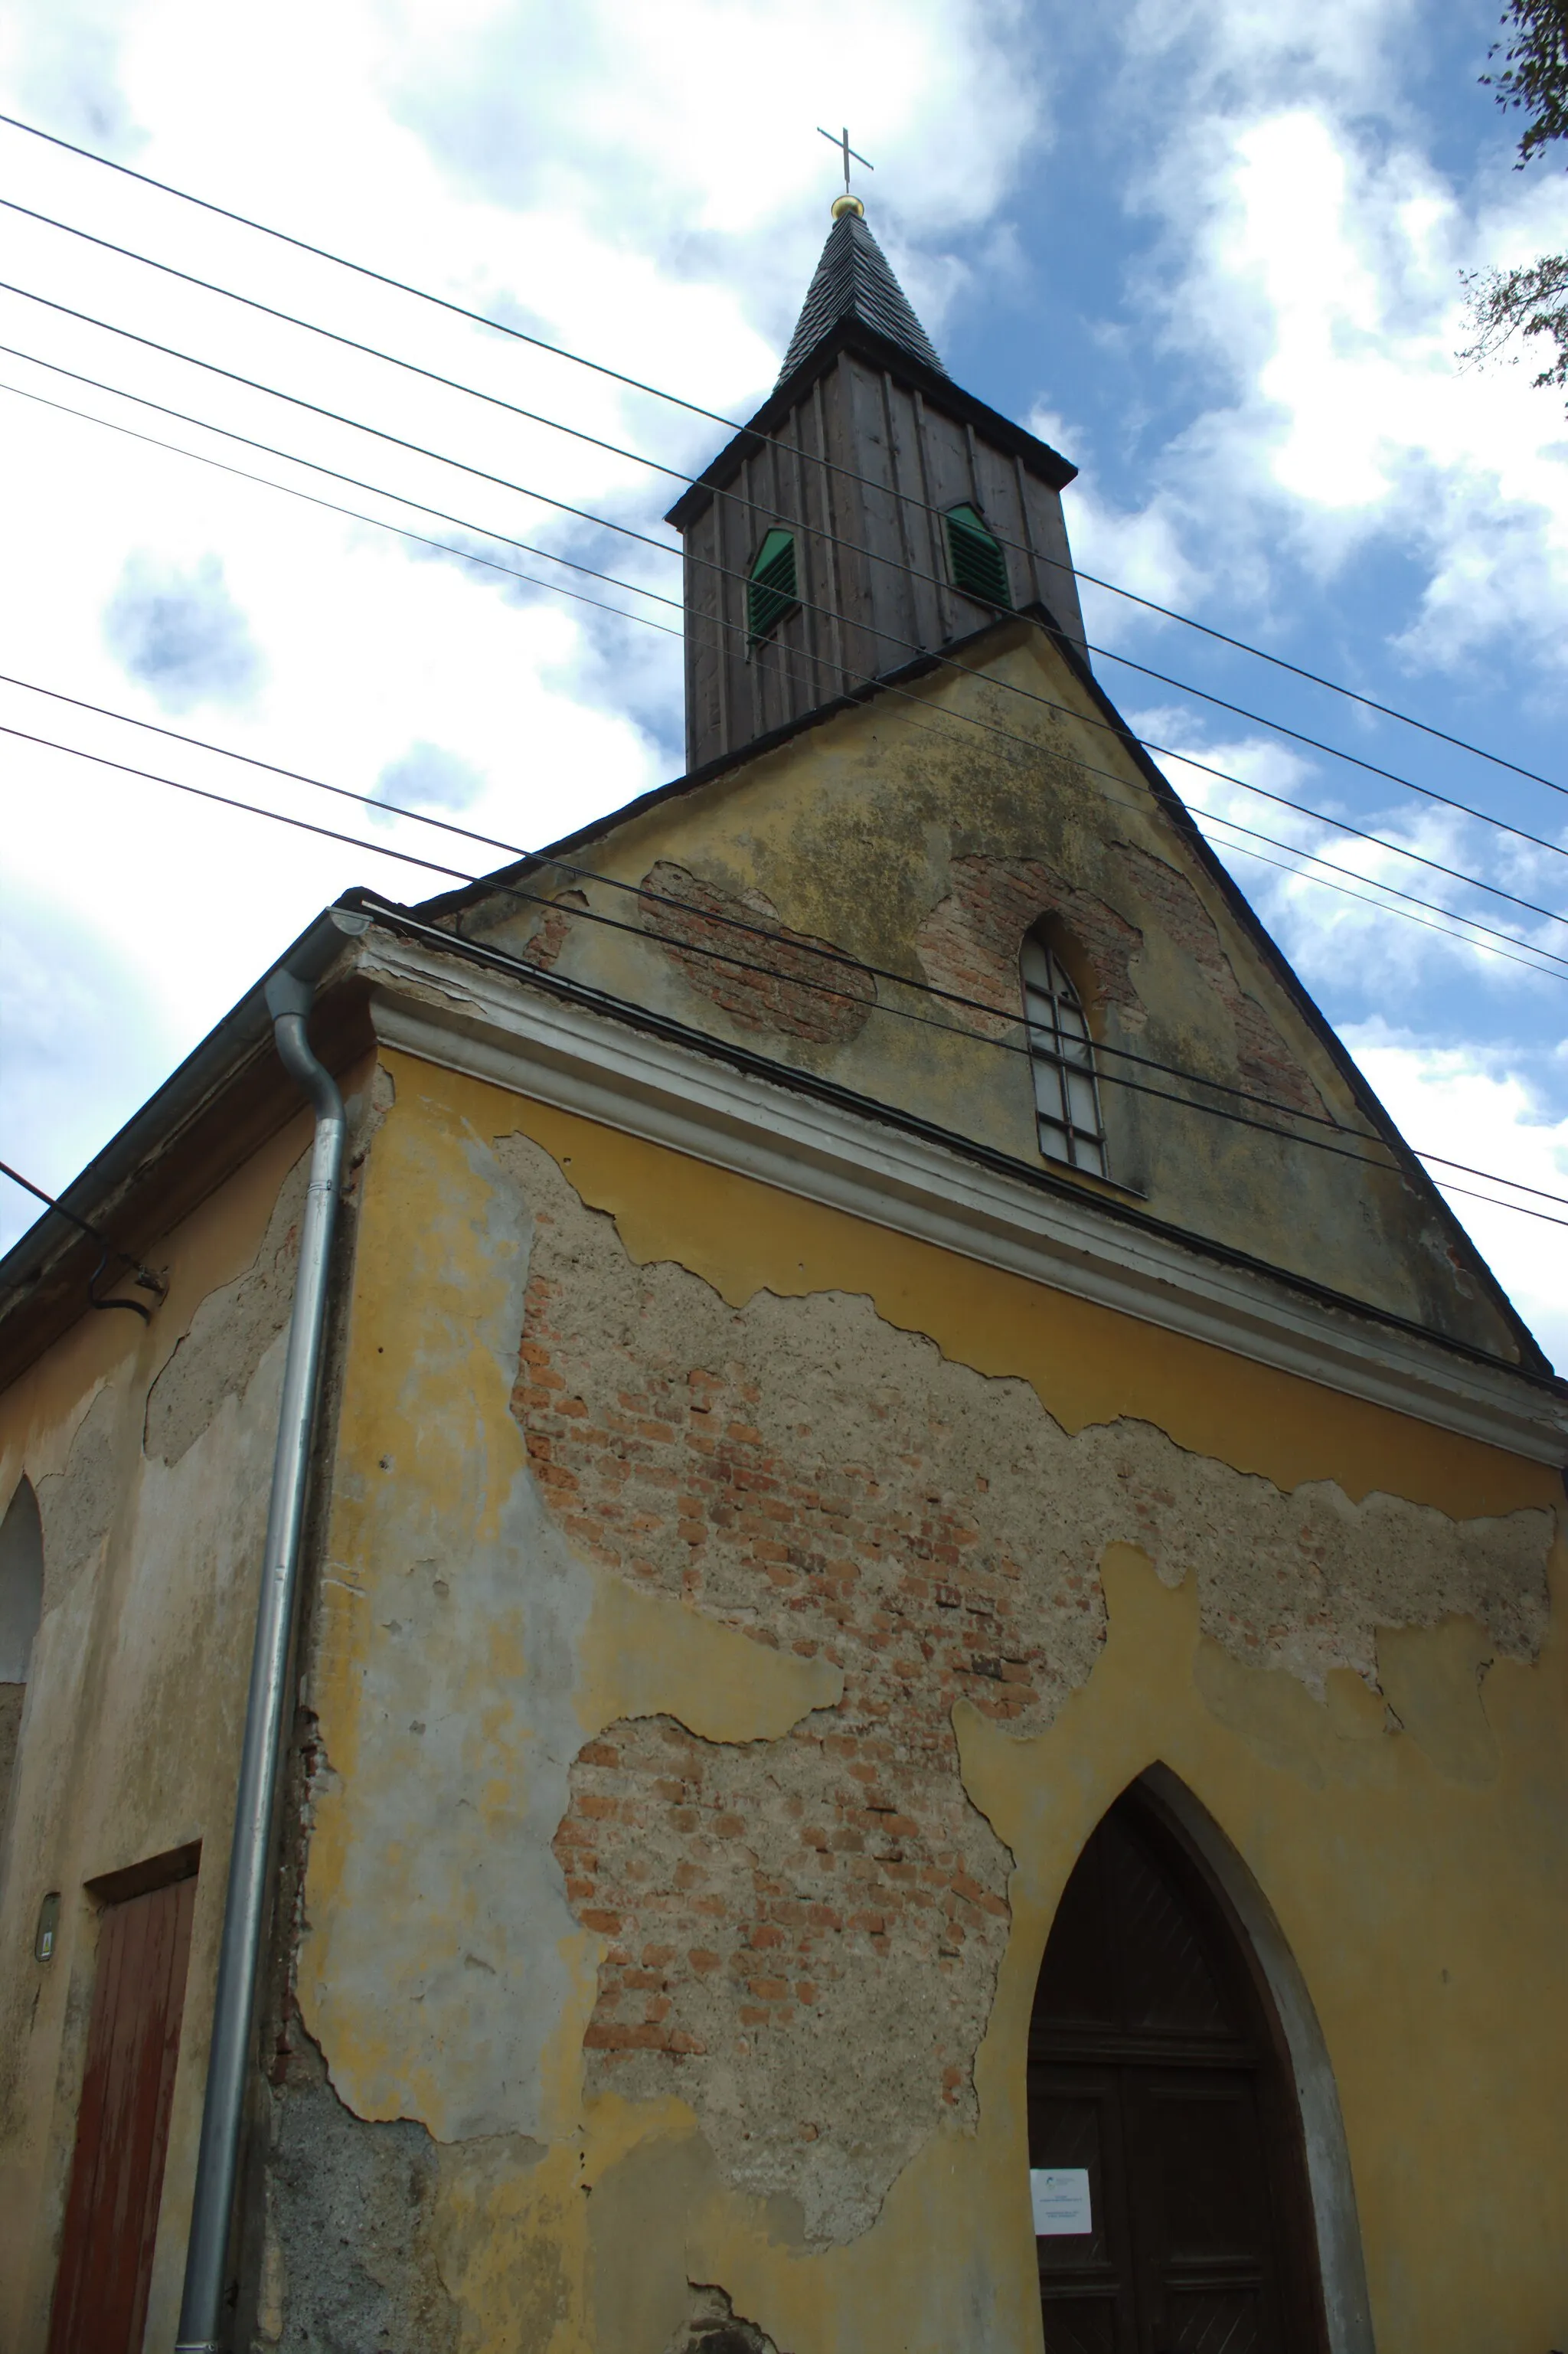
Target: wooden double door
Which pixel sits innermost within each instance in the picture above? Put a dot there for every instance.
(1156, 2070)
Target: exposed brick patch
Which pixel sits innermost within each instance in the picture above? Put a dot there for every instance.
(971, 941)
(802, 996)
(782, 1903)
(1263, 1060)
(806, 1910)
(769, 1907)
(553, 930)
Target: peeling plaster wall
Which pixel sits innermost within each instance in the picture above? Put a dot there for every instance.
(705, 1643)
(230, 1334)
(821, 1481)
(810, 1962)
(150, 1448)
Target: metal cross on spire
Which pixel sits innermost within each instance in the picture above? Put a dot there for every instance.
(840, 140)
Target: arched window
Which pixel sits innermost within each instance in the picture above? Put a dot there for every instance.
(1067, 1093)
(21, 1584)
(974, 552)
(771, 592)
(21, 1607)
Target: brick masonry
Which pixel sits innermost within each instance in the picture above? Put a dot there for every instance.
(553, 930)
(970, 942)
(808, 990)
(1263, 1059)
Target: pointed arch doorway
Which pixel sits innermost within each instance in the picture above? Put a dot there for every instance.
(1165, 2145)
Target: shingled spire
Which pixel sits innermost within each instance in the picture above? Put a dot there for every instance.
(855, 280)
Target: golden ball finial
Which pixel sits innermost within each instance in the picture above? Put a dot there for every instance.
(847, 204)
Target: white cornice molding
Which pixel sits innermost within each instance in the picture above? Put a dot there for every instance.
(478, 1020)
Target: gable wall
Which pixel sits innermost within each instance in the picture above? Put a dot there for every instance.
(923, 836)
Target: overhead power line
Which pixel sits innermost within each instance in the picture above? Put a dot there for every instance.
(735, 426)
(723, 956)
(1114, 728)
(817, 531)
(142, 1277)
(336, 417)
(558, 863)
(1488, 934)
(1245, 850)
(336, 474)
(353, 514)
(1531, 961)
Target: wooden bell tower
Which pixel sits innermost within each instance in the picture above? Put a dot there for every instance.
(871, 514)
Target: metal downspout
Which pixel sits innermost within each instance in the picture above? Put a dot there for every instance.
(289, 1000)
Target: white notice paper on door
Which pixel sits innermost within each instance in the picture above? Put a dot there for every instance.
(1060, 2198)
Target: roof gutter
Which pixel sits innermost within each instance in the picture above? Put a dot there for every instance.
(289, 992)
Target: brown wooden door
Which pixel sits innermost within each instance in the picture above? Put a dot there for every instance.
(1154, 2066)
(123, 2123)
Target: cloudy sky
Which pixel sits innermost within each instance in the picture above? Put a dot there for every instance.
(1211, 249)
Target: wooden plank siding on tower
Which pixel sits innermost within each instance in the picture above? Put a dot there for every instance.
(859, 453)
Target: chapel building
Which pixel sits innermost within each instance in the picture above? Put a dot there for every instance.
(781, 1587)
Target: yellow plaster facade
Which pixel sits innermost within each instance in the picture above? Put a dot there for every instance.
(1416, 1868)
(137, 1684)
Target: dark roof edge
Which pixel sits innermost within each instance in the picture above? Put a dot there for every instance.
(939, 391)
(1538, 1374)
(241, 1038)
(1306, 1004)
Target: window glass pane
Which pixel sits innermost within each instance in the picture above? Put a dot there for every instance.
(1081, 1103)
(1049, 1095)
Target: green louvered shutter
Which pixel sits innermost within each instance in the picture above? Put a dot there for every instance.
(979, 566)
(771, 592)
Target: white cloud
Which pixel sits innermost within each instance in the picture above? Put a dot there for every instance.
(426, 778)
(82, 1041)
(1148, 550)
(1306, 265)
(1341, 46)
(64, 63)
